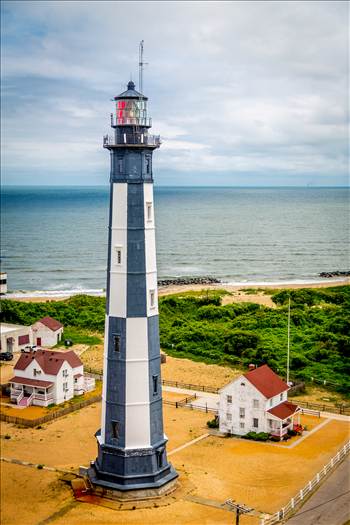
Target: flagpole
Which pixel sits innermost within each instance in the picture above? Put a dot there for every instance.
(288, 341)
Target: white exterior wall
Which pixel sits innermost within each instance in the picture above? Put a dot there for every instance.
(137, 418)
(8, 330)
(242, 397)
(48, 337)
(59, 396)
(117, 301)
(150, 249)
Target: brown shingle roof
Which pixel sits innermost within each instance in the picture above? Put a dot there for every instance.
(51, 323)
(284, 410)
(30, 382)
(49, 361)
(266, 381)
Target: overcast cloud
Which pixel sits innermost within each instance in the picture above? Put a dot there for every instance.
(242, 93)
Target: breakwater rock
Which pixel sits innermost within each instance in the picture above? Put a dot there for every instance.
(188, 280)
(334, 274)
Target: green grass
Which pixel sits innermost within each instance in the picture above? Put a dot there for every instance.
(195, 325)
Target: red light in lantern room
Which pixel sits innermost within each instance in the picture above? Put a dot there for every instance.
(121, 104)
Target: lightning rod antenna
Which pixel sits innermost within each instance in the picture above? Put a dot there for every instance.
(141, 65)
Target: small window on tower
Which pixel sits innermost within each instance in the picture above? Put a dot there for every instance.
(152, 298)
(118, 255)
(155, 385)
(148, 165)
(149, 211)
(116, 340)
(115, 429)
(120, 165)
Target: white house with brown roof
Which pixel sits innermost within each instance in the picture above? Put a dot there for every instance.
(47, 332)
(45, 377)
(257, 401)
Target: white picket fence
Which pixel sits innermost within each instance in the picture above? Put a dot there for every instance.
(288, 509)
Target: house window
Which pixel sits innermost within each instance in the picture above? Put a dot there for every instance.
(149, 211)
(242, 412)
(255, 403)
(255, 422)
(118, 255)
(65, 373)
(116, 342)
(65, 387)
(115, 429)
(152, 298)
(271, 402)
(229, 416)
(241, 425)
(270, 423)
(229, 399)
(36, 372)
(242, 384)
(281, 396)
(155, 385)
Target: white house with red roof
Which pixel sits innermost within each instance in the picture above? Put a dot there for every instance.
(257, 402)
(45, 377)
(47, 332)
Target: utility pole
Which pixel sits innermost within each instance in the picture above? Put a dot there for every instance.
(238, 507)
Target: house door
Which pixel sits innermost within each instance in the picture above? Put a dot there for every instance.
(38, 341)
(9, 345)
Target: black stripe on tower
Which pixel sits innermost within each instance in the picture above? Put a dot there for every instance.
(136, 256)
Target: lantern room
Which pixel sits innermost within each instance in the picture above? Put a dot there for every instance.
(131, 108)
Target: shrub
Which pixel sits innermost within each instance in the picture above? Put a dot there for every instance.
(256, 436)
(213, 423)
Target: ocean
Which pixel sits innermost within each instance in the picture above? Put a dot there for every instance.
(55, 238)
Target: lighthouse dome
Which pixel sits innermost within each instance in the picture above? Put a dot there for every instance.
(130, 93)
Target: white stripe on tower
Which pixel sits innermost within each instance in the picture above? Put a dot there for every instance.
(118, 261)
(137, 418)
(150, 249)
(104, 383)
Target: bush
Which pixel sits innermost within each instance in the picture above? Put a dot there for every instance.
(213, 423)
(256, 436)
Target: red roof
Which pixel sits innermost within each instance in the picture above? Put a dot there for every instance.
(266, 381)
(51, 323)
(284, 410)
(30, 382)
(49, 361)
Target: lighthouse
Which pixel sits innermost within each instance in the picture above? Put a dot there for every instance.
(131, 442)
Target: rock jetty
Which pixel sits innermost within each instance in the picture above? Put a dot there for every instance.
(334, 274)
(188, 280)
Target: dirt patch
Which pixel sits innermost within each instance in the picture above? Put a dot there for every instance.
(29, 496)
(242, 297)
(93, 357)
(187, 371)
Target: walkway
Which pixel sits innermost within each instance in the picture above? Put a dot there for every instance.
(330, 503)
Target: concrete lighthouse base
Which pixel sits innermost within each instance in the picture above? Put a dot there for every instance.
(121, 474)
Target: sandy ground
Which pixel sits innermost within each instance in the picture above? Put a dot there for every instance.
(29, 496)
(261, 475)
(167, 290)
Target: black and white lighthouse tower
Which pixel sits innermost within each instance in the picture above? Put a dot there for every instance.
(131, 442)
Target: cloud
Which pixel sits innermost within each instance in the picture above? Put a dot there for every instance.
(253, 87)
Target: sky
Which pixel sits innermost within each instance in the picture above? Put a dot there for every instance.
(242, 93)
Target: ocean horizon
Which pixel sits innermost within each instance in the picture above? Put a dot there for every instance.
(55, 237)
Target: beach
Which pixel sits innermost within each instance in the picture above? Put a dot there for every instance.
(238, 290)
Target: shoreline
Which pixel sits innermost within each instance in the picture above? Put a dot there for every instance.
(51, 295)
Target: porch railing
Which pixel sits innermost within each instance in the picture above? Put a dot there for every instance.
(45, 397)
(17, 395)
